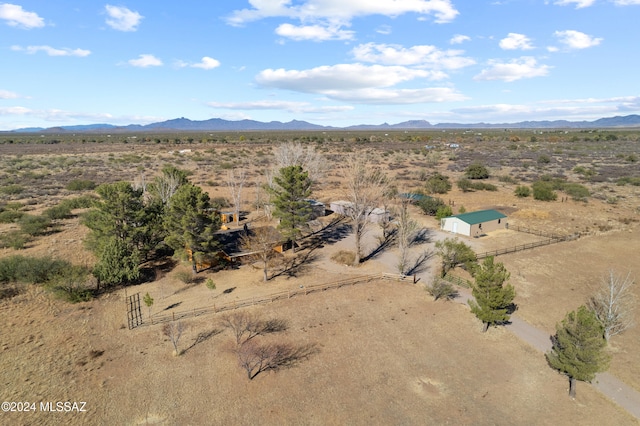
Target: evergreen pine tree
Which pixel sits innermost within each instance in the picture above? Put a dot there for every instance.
(191, 223)
(492, 298)
(289, 196)
(578, 348)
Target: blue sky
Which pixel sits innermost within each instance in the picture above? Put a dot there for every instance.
(329, 62)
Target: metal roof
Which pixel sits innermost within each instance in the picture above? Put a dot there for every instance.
(481, 216)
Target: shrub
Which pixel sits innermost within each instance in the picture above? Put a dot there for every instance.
(185, 276)
(438, 184)
(57, 212)
(10, 216)
(430, 205)
(543, 191)
(81, 185)
(443, 211)
(576, 191)
(13, 189)
(210, 284)
(441, 289)
(544, 159)
(344, 257)
(465, 185)
(30, 270)
(34, 225)
(507, 179)
(476, 171)
(70, 285)
(522, 191)
(14, 239)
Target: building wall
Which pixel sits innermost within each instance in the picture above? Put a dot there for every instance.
(452, 224)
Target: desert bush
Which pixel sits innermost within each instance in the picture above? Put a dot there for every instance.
(81, 185)
(476, 171)
(71, 285)
(344, 257)
(465, 185)
(30, 270)
(185, 276)
(628, 180)
(14, 239)
(522, 191)
(443, 211)
(57, 212)
(13, 189)
(543, 159)
(210, 284)
(219, 203)
(438, 184)
(576, 191)
(34, 225)
(543, 191)
(507, 179)
(10, 216)
(430, 205)
(441, 289)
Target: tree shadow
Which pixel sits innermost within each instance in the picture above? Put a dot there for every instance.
(420, 264)
(294, 266)
(173, 305)
(203, 337)
(256, 359)
(384, 244)
(334, 231)
(423, 236)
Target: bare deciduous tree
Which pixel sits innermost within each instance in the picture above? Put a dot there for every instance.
(246, 326)
(173, 331)
(260, 242)
(294, 154)
(165, 185)
(406, 228)
(366, 185)
(255, 358)
(614, 303)
(235, 182)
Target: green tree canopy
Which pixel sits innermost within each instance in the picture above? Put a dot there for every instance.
(190, 222)
(289, 196)
(117, 264)
(454, 252)
(493, 299)
(578, 347)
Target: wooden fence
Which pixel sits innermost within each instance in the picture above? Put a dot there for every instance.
(457, 280)
(263, 300)
(549, 239)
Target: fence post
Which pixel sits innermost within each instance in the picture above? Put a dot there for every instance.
(173, 316)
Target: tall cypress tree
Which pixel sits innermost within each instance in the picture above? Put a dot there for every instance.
(289, 196)
(492, 298)
(578, 348)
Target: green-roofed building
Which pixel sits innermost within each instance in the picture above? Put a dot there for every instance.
(474, 224)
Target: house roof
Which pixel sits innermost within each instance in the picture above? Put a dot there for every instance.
(480, 216)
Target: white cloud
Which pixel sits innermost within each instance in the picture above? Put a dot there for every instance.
(524, 67)
(459, 39)
(576, 39)
(357, 83)
(293, 107)
(18, 17)
(341, 10)
(338, 77)
(5, 94)
(515, 41)
(51, 51)
(313, 32)
(423, 56)
(579, 3)
(145, 60)
(384, 29)
(207, 63)
(122, 19)
(626, 2)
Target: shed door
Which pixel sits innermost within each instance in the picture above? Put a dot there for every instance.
(454, 227)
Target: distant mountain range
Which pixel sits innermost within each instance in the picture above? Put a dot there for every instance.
(218, 124)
